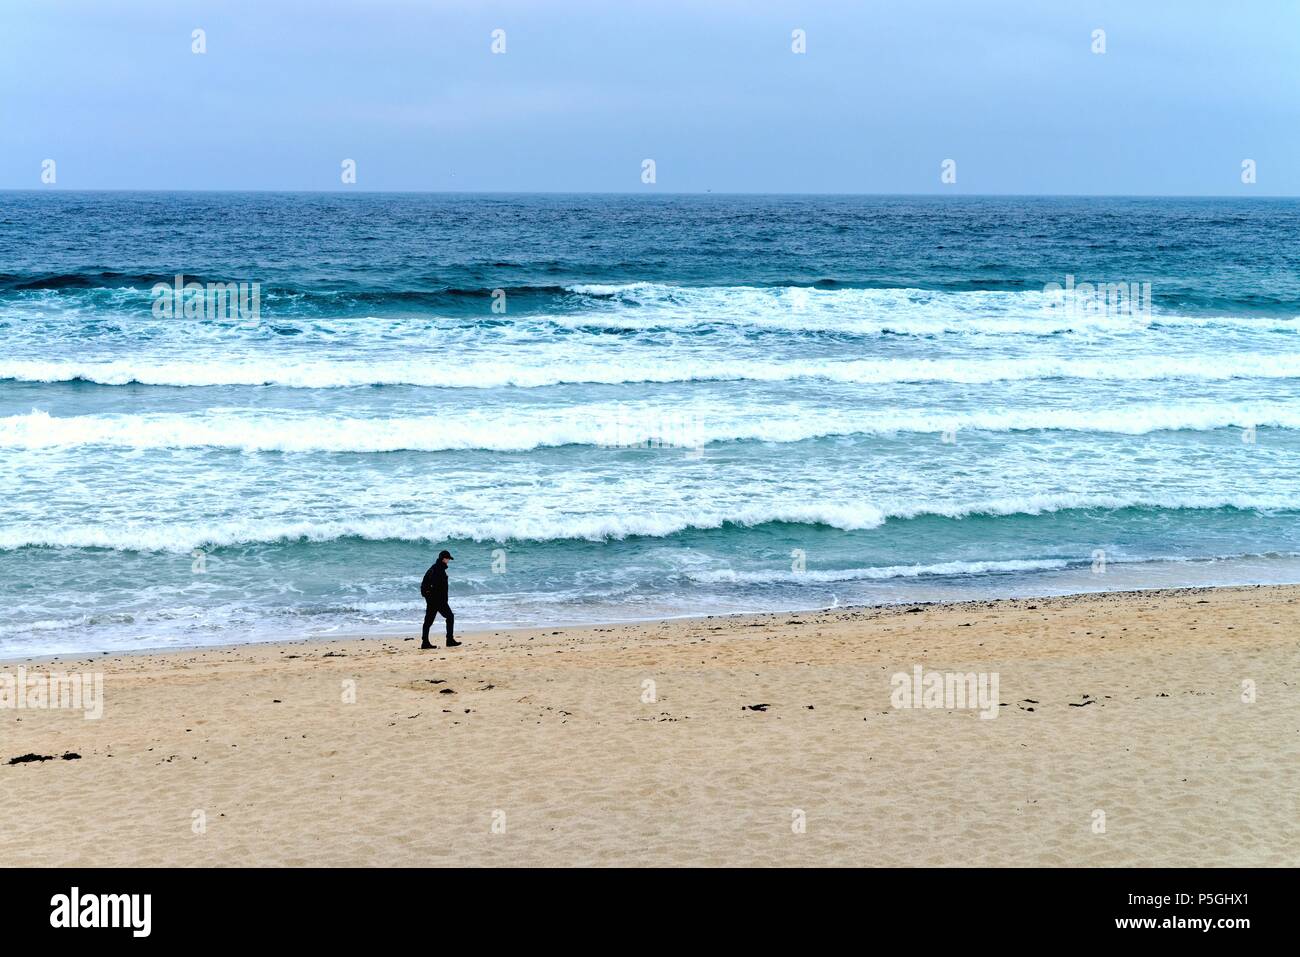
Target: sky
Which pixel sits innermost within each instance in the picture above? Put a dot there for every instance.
(1011, 91)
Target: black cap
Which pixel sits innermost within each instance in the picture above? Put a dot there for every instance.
(445, 554)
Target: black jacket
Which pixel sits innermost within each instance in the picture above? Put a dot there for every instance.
(434, 586)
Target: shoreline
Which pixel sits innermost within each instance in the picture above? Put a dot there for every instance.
(547, 745)
(899, 607)
(571, 625)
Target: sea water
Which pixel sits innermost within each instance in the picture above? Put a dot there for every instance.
(620, 407)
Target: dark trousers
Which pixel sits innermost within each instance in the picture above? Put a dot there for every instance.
(433, 609)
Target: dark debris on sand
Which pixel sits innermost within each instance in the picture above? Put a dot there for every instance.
(30, 757)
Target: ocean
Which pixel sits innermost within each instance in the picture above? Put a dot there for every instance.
(622, 407)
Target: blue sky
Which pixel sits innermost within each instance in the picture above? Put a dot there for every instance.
(709, 89)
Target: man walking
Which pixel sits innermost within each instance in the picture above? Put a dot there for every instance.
(434, 590)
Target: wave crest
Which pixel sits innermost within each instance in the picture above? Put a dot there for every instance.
(617, 426)
(596, 528)
(325, 374)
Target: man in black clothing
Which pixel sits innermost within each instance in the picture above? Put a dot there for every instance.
(434, 590)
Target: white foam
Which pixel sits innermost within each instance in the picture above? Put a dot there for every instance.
(554, 526)
(880, 573)
(499, 372)
(905, 311)
(523, 429)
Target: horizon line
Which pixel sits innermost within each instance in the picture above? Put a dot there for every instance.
(641, 193)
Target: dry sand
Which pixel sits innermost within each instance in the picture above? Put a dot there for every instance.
(536, 747)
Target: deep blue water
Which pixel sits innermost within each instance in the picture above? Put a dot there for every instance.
(615, 407)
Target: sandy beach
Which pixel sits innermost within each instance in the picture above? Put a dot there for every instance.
(1125, 734)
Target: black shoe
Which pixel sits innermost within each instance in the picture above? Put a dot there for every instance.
(427, 645)
(453, 643)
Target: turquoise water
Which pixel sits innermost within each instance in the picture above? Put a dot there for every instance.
(614, 407)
